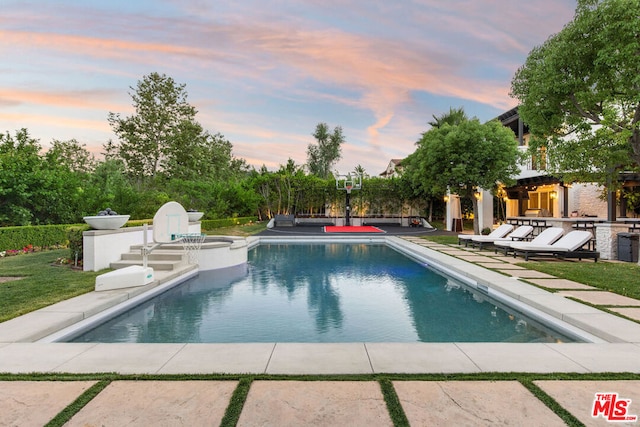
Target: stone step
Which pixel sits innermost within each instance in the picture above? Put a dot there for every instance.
(154, 256)
(155, 264)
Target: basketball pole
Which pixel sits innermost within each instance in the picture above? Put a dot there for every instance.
(348, 207)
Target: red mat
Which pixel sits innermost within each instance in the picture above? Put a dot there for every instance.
(352, 229)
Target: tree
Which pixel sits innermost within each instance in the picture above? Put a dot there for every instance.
(579, 92)
(455, 116)
(35, 189)
(72, 155)
(464, 158)
(163, 124)
(322, 156)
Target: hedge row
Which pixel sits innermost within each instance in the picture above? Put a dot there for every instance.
(15, 238)
(44, 236)
(206, 224)
(211, 224)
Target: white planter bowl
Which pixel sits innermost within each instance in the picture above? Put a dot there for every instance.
(195, 216)
(106, 222)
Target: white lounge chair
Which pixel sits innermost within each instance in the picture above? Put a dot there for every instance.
(569, 246)
(501, 231)
(520, 233)
(546, 237)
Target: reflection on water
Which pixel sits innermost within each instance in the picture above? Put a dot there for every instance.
(320, 293)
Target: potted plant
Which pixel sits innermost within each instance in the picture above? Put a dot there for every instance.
(194, 215)
(106, 220)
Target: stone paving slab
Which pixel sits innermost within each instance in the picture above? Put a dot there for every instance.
(35, 325)
(35, 403)
(122, 358)
(577, 397)
(560, 284)
(601, 298)
(315, 403)
(529, 274)
(454, 252)
(418, 358)
(319, 359)
(632, 313)
(620, 357)
(473, 258)
(506, 266)
(220, 358)
(157, 403)
(38, 357)
(493, 265)
(509, 259)
(472, 403)
(507, 357)
(610, 327)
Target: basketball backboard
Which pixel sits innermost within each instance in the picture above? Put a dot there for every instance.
(349, 182)
(170, 220)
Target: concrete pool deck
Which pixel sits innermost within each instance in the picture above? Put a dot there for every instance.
(327, 402)
(24, 346)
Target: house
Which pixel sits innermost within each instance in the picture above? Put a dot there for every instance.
(542, 200)
(394, 169)
(536, 193)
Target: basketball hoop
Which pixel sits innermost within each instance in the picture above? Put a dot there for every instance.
(348, 187)
(191, 242)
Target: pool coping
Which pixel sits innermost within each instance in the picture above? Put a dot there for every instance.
(619, 354)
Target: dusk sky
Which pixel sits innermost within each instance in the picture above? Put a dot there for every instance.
(264, 73)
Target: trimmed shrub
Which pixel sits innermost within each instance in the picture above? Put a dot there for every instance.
(74, 235)
(43, 236)
(211, 224)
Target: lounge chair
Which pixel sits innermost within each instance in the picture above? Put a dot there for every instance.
(520, 233)
(546, 237)
(569, 246)
(501, 231)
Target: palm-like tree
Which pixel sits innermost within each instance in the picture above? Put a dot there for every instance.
(455, 116)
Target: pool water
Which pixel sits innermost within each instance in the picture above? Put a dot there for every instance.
(320, 293)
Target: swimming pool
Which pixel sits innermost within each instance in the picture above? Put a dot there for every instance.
(330, 292)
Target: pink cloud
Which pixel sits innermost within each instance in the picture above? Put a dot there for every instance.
(386, 56)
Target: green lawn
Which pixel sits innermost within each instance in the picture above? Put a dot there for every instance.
(240, 230)
(621, 278)
(41, 283)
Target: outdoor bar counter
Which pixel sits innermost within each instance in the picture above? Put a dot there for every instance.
(568, 224)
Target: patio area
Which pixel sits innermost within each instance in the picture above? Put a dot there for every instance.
(333, 384)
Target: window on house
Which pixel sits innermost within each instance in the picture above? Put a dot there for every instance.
(541, 200)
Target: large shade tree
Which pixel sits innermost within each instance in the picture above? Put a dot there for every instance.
(579, 92)
(163, 124)
(464, 158)
(327, 150)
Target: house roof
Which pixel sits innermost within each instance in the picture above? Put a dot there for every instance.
(393, 164)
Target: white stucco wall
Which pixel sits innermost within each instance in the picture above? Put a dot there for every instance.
(102, 247)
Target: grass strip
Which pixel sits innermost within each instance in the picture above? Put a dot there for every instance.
(478, 376)
(620, 278)
(239, 396)
(65, 415)
(552, 404)
(443, 240)
(394, 407)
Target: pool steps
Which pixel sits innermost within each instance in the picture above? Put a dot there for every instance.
(160, 259)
